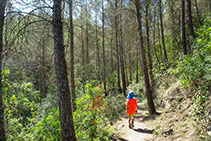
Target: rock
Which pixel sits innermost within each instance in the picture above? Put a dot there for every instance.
(168, 132)
(209, 127)
(120, 126)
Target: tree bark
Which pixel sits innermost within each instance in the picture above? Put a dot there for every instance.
(112, 61)
(117, 44)
(121, 58)
(148, 42)
(137, 78)
(190, 22)
(174, 30)
(154, 40)
(87, 36)
(42, 71)
(65, 108)
(183, 38)
(150, 102)
(2, 11)
(160, 48)
(111, 51)
(97, 46)
(72, 74)
(130, 69)
(83, 57)
(103, 45)
(198, 13)
(162, 31)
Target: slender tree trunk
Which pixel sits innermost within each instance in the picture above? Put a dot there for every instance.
(160, 49)
(173, 25)
(83, 57)
(130, 69)
(72, 74)
(150, 102)
(126, 75)
(65, 108)
(103, 44)
(162, 31)
(98, 48)
(111, 51)
(2, 11)
(121, 58)
(183, 38)
(210, 6)
(87, 34)
(42, 71)
(148, 42)
(112, 59)
(190, 22)
(198, 13)
(137, 58)
(117, 44)
(154, 41)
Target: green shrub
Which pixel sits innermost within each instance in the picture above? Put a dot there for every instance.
(194, 70)
(89, 118)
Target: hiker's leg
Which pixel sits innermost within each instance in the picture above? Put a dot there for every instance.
(133, 118)
(129, 121)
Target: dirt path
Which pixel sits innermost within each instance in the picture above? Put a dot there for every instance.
(140, 132)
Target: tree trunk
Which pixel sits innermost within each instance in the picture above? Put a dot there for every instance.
(150, 102)
(154, 41)
(198, 13)
(72, 74)
(121, 58)
(148, 43)
(137, 79)
(117, 44)
(2, 11)
(130, 69)
(160, 49)
(173, 25)
(111, 51)
(162, 32)
(98, 48)
(112, 59)
(42, 71)
(65, 108)
(103, 44)
(83, 57)
(87, 36)
(183, 39)
(190, 23)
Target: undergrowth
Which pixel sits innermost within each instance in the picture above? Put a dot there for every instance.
(194, 71)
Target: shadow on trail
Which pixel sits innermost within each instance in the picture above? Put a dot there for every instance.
(148, 131)
(142, 118)
(119, 139)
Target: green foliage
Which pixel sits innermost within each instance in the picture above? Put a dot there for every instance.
(46, 128)
(89, 118)
(115, 106)
(111, 79)
(194, 70)
(20, 103)
(138, 88)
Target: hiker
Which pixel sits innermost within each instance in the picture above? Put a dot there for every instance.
(131, 108)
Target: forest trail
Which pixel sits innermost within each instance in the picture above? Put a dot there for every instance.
(141, 131)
